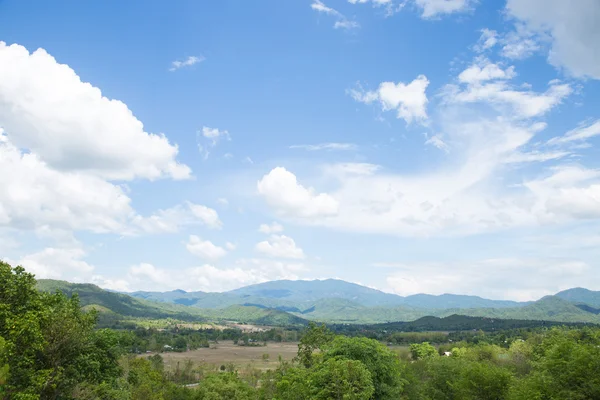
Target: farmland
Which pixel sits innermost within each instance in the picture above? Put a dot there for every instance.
(226, 352)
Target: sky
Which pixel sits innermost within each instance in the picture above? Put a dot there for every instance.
(415, 146)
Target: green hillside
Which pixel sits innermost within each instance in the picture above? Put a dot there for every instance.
(549, 308)
(114, 306)
(581, 296)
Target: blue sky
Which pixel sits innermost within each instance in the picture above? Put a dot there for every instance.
(417, 146)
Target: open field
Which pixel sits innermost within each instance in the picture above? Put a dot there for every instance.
(226, 352)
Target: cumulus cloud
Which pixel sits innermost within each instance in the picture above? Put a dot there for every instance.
(71, 127)
(188, 62)
(572, 27)
(272, 228)
(280, 246)
(281, 189)
(408, 100)
(204, 248)
(57, 263)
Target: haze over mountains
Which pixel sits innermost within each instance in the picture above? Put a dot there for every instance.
(330, 300)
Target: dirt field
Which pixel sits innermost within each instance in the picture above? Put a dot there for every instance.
(226, 352)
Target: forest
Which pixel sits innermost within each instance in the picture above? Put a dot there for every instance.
(51, 349)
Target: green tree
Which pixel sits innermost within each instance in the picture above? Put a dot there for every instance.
(4, 368)
(313, 339)
(50, 344)
(341, 379)
(420, 351)
(224, 386)
(387, 373)
(566, 365)
(483, 381)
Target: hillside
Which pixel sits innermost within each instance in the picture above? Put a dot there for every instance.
(300, 295)
(549, 308)
(581, 296)
(120, 306)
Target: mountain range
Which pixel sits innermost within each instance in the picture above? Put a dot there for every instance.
(336, 301)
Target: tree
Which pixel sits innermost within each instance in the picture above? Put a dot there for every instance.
(420, 351)
(387, 373)
(565, 366)
(50, 344)
(313, 339)
(224, 386)
(341, 379)
(4, 368)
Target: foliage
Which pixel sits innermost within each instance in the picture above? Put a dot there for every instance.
(422, 351)
(50, 345)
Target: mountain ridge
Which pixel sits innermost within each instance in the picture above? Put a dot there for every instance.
(294, 302)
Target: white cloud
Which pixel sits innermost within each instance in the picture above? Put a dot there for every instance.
(119, 285)
(492, 278)
(408, 100)
(281, 190)
(573, 29)
(325, 146)
(204, 248)
(268, 229)
(280, 246)
(207, 215)
(188, 62)
(435, 8)
(485, 71)
(487, 40)
(346, 24)
(579, 134)
(46, 109)
(57, 263)
(341, 21)
(210, 278)
(213, 136)
(520, 43)
(438, 142)
(223, 201)
(230, 246)
(343, 169)
(486, 83)
(172, 219)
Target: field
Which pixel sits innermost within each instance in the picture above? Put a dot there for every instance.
(225, 352)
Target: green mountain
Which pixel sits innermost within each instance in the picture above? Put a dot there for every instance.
(304, 292)
(581, 296)
(118, 306)
(549, 308)
(117, 303)
(297, 296)
(332, 301)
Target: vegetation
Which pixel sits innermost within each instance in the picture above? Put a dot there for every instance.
(287, 303)
(50, 349)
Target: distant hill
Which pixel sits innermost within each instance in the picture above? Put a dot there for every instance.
(581, 296)
(302, 292)
(300, 295)
(457, 301)
(549, 308)
(331, 301)
(115, 306)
